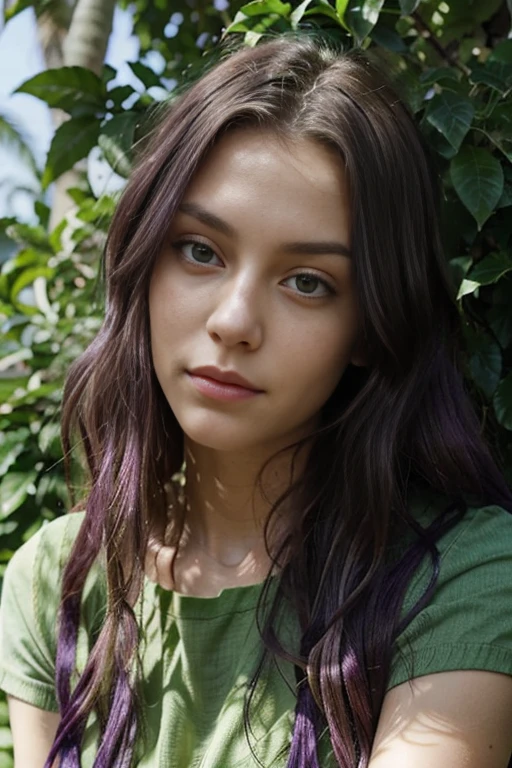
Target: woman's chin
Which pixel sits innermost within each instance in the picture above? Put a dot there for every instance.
(219, 436)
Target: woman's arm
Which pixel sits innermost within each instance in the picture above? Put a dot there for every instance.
(459, 719)
(33, 733)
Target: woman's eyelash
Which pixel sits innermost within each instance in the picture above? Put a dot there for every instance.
(313, 278)
(206, 251)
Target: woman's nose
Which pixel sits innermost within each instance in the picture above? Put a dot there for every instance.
(237, 316)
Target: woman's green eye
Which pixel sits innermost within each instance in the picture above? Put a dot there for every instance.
(307, 283)
(198, 252)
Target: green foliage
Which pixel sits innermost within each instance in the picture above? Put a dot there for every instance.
(73, 141)
(453, 62)
(12, 136)
(75, 90)
(50, 310)
(96, 115)
(477, 177)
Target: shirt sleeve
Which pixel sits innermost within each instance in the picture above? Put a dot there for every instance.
(28, 616)
(468, 622)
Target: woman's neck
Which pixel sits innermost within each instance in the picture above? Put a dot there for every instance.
(225, 509)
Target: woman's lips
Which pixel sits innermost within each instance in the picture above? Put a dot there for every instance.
(220, 390)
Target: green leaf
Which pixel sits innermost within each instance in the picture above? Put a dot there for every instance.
(506, 198)
(438, 75)
(42, 212)
(55, 236)
(12, 443)
(361, 16)
(145, 74)
(491, 268)
(265, 7)
(76, 90)
(466, 288)
(502, 402)
(13, 136)
(299, 12)
(485, 363)
(502, 51)
(50, 390)
(119, 94)
(4, 713)
(478, 180)
(73, 140)
(458, 269)
(495, 74)
(464, 18)
(18, 356)
(341, 9)
(78, 196)
(27, 277)
(500, 320)
(27, 257)
(14, 489)
(452, 115)
(49, 439)
(51, 485)
(6, 221)
(108, 74)
(94, 210)
(324, 8)
(414, 91)
(408, 6)
(9, 385)
(29, 234)
(387, 38)
(12, 9)
(252, 38)
(116, 141)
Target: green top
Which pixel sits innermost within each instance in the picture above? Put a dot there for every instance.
(198, 653)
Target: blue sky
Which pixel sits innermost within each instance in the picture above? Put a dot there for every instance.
(20, 59)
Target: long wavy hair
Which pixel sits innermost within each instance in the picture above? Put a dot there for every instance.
(403, 422)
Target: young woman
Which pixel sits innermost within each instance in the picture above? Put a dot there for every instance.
(328, 580)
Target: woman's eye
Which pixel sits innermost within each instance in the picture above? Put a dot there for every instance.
(198, 253)
(309, 285)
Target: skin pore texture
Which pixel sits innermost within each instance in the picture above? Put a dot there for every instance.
(254, 278)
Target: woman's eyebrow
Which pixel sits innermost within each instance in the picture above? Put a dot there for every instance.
(208, 218)
(307, 248)
(317, 249)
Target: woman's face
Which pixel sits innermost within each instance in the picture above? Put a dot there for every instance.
(255, 280)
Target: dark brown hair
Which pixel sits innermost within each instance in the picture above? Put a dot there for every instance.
(401, 425)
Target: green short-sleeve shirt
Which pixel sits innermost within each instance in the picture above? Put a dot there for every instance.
(199, 653)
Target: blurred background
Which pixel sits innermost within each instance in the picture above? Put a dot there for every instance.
(82, 83)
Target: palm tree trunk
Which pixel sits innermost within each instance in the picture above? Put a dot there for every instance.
(89, 32)
(84, 45)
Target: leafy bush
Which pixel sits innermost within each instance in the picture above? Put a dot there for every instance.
(453, 62)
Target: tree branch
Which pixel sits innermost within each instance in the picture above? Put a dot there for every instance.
(429, 35)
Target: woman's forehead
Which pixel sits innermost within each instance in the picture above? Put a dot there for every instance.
(255, 175)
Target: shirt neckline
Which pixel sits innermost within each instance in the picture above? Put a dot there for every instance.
(230, 600)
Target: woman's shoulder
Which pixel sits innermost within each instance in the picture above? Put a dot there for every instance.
(31, 592)
(480, 532)
(474, 551)
(48, 549)
(467, 622)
